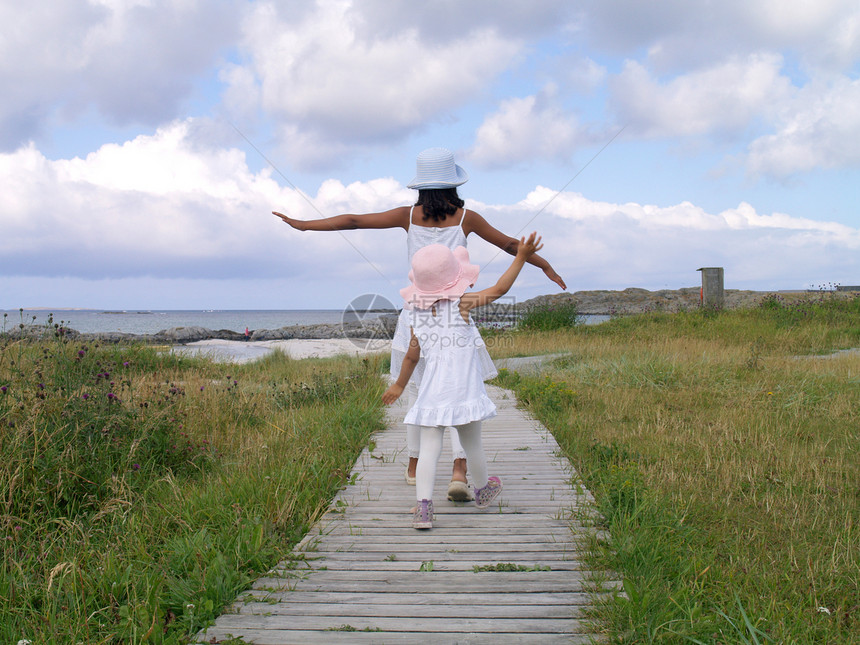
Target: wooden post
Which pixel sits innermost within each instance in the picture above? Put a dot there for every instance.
(712, 293)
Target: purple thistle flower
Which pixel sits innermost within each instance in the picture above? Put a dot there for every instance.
(3, 389)
(81, 353)
(125, 364)
(85, 396)
(135, 466)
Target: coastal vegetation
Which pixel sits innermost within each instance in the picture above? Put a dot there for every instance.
(721, 448)
(141, 491)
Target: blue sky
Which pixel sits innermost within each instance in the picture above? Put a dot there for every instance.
(133, 136)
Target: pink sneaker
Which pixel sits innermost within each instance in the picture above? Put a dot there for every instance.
(485, 496)
(422, 516)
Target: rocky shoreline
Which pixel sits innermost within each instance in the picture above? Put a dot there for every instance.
(636, 301)
(612, 303)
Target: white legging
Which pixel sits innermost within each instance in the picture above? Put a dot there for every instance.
(413, 433)
(431, 449)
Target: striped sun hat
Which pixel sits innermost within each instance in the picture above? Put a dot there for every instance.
(436, 169)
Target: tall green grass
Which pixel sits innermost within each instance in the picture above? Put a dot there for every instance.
(550, 316)
(722, 450)
(140, 492)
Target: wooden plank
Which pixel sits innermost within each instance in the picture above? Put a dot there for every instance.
(380, 610)
(316, 637)
(422, 598)
(434, 625)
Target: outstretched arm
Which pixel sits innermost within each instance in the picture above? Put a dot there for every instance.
(508, 244)
(396, 217)
(409, 362)
(527, 248)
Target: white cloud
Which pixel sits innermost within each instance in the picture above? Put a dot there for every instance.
(821, 131)
(621, 245)
(329, 83)
(443, 20)
(526, 128)
(133, 61)
(165, 206)
(686, 34)
(725, 98)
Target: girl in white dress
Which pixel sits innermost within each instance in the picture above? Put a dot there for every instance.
(437, 217)
(452, 391)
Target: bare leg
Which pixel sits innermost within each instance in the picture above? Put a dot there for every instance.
(470, 435)
(458, 473)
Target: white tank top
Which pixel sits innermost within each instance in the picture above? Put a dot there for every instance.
(417, 236)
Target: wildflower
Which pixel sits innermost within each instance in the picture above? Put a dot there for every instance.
(125, 364)
(81, 353)
(3, 389)
(85, 396)
(135, 466)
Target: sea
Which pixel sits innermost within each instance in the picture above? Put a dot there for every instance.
(144, 321)
(134, 321)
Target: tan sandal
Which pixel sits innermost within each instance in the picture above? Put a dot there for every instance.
(459, 491)
(409, 480)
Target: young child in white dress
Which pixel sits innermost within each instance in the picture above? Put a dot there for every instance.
(452, 390)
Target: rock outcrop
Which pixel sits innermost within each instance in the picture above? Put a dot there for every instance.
(630, 301)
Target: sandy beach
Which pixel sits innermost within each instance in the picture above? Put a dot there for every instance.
(231, 351)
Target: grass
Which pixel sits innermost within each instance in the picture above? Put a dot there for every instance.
(549, 317)
(722, 450)
(142, 491)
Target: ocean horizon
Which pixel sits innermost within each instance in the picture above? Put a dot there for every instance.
(152, 321)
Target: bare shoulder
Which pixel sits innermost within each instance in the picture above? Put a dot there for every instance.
(400, 215)
(473, 222)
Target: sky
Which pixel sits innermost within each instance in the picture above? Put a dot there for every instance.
(145, 143)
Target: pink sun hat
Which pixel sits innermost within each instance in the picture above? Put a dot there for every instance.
(438, 273)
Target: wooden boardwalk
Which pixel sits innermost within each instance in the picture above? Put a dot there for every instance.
(364, 575)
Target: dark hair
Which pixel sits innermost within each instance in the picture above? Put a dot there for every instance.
(439, 203)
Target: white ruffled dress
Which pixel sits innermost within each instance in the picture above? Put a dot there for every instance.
(417, 237)
(451, 392)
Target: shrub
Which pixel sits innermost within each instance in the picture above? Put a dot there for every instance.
(551, 316)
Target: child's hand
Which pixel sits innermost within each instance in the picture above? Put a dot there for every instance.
(392, 394)
(530, 246)
(295, 223)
